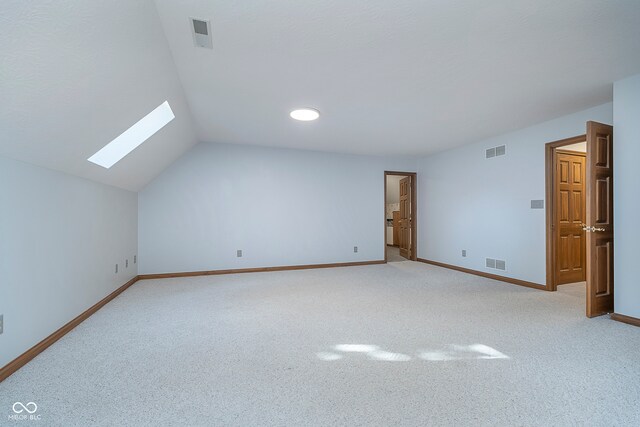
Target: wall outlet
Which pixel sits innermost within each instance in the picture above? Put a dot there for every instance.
(1, 323)
(239, 253)
(135, 259)
(355, 249)
(464, 253)
(537, 204)
(116, 268)
(126, 264)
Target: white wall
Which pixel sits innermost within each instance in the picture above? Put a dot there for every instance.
(393, 188)
(60, 238)
(626, 195)
(483, 205)
(280, 206)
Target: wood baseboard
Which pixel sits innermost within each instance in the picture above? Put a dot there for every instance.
(27, 356)
(255, 270)
(625, 319)
(487, 275)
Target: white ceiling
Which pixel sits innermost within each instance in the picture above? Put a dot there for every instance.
(76, 74)
(400, 78)
(396, 77)
(580, 146)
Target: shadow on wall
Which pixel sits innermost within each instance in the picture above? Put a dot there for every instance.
(450, 352)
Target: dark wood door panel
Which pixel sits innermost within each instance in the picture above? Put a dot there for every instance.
(603, 185)
(600, 278)
(405, 217)
(569, 216)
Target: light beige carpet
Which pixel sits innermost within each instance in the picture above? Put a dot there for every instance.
(397, 344)
(393, 254)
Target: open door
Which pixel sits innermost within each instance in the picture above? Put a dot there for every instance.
(407, 241)
(405, 217)
(599, 224)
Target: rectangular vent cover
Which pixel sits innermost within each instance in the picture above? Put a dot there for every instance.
(201, 32)
(200, 27)
(497, 264)
(496, 151)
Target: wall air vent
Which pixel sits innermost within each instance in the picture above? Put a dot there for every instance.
(497, 264)
(496, 151)
(201, 31)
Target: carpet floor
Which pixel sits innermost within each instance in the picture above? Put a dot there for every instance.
(403, 344)
(393, 254)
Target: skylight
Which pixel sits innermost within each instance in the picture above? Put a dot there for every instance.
(114, 151)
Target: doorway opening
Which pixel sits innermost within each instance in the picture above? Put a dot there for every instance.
(579, 207)
(399, 216)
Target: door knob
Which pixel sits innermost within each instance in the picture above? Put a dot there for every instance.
(591, 229)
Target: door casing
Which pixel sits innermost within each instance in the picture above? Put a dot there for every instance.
(414, 209)
(595, 304)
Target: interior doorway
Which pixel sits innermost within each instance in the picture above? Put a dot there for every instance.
(399, 216)
(579, 206)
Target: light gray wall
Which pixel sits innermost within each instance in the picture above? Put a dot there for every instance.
(393, 188)
(60, 238)
(280, 206)
(483, 205)
(626, 195)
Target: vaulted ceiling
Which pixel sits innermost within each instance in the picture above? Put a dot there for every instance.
(76, 74)
(389, 78)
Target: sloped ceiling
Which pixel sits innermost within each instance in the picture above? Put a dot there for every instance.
(397, 77)
(389, 77)
(76, 74)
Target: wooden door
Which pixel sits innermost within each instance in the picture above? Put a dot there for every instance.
(599, 219)
(396, 228)
(405, 217)
(569, 217)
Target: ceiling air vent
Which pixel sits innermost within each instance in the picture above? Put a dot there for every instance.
(496, 151)
(201, 31)
(491, 152)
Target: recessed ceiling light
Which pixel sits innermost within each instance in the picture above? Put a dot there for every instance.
(305, 114)
(131, 138)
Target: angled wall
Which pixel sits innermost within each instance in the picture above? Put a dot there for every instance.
(626, 194)
(60, 238)
(279, 206)
(483, 206)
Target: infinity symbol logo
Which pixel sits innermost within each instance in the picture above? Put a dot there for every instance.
(30, 407)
